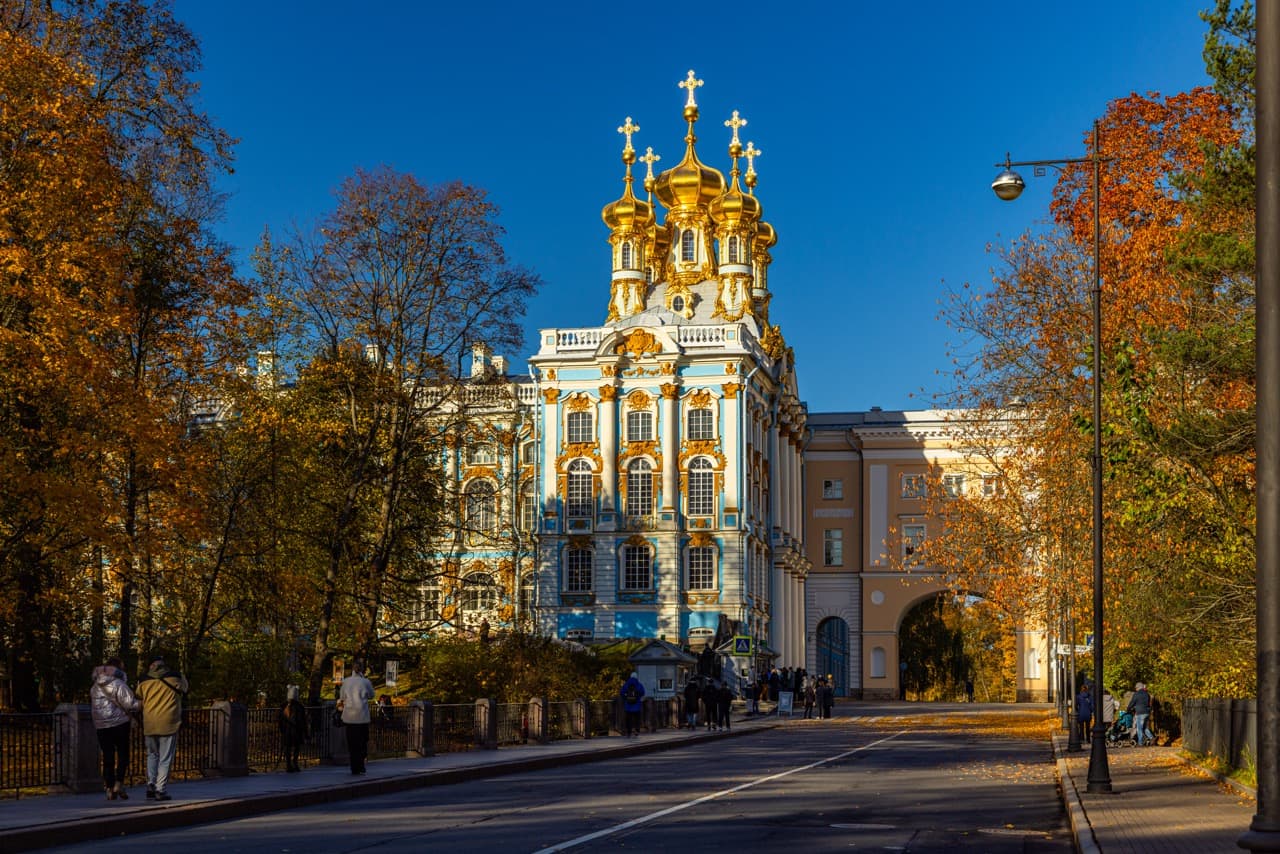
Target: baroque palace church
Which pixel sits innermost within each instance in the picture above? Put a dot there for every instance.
(667, 482)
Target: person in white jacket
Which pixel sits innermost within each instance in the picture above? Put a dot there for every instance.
(113, 705)
(353, 700)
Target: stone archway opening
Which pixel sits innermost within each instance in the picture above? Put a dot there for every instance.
(949, 643)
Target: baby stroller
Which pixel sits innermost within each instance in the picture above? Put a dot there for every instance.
(1121, 733)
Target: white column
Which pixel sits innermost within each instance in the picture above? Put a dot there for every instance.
(670, 445)
(608, 415)
(775, 477)
(733, 462)
(550, 446)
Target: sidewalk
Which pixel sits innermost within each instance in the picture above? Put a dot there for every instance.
(1159, 804)
(63, 819)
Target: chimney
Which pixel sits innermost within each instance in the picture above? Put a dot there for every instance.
(500, 366)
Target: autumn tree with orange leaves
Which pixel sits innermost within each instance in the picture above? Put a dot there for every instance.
(1177, 409)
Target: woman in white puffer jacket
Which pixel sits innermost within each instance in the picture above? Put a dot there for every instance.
(113, 705)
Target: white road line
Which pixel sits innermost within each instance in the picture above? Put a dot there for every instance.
(635, 822)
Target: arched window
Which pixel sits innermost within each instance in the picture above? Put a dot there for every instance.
(578, 571)
(702, 568)
(639, 426)
(481, 454)
(579, 427)
(626, 255)
(701, 424)
(528, 506)
(688, 251)
(528, 595)
(637, 568)
(639, 488)
(481, 511)
(578, 500)
(479, 593)
(702, 480)
(735, 256)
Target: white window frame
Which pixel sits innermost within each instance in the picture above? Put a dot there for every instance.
(579, 577)
(953, 485)
(701, 496)
(701, 573)
(833, 547)
(579, 427)
(482, 454)
(688, 246)
(478, 593)
(529, 506)
(482, 506)
(696, 428)
(579, 503)
(639, 425)
(625, 255)
(833, 489)
(639, 488)
(637, 566)
(914, 485)
(913, 537)
(992, 486)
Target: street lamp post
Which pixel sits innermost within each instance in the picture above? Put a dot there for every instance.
(1008, 185)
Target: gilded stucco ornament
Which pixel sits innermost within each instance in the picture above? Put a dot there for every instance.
(608, 392)
(639, 342)
(639, 399)
(579, 403)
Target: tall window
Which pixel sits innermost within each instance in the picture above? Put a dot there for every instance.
(636, 568)
(481, 454)
(428, 606)
(913, 486)
(528, 451)
(992, 486)
(912, 540)
(702, 568)
(639, 426)
(833, 488)
(579, 427)
(639, 488)
(701, 424)
(702, 482)
(481, 512)
(577, 571)
(953, 485)
(735, 255)
(479, 593)
(687, 251)
(528, 595)
(833, 547)
(578, 501)
(528, 506)
(626, 255)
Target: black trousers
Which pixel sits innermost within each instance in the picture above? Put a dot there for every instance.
(292, 744)
(357, 746)
(114, 744)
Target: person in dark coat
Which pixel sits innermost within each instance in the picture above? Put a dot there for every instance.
(826, 697)
(632, 694)
(711, 705)
(691, 697)
(810, 698)
(292, 721)
(1084, 711)
(724, 700)
(1140, 705)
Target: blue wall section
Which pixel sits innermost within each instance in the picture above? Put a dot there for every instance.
(699, 620)
(576, 620)
(636, 624)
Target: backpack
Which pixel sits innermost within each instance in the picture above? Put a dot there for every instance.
(632, 694)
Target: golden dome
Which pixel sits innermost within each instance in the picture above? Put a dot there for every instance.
(734, 206)
(690, 183)
(627, 211)
(766, 237)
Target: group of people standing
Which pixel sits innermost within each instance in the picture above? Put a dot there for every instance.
(113, 706)
(713, 699)
(1138, 704)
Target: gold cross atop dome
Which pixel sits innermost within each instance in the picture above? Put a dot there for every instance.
(648, 160)
(735, 123)
(628, 128)
(751, 154)
(691, 82)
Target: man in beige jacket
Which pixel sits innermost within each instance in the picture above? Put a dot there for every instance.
(161, 692)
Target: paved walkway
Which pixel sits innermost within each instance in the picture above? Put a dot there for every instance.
(1159, 804)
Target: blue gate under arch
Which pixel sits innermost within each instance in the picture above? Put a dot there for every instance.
(833, 653)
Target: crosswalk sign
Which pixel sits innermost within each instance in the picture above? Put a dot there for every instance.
(741, 645)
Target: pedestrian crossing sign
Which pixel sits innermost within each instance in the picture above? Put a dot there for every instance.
(741, 645)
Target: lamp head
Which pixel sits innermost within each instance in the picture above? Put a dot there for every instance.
(1008, 185)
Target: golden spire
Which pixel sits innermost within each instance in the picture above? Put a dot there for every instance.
(751, 154)
(648, 160)
(628, 209)
(628, 153)
(690, 183)
(735, 146)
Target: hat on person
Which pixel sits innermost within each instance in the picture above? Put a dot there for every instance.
(1141, 686)
(634, 675)
(293, 692)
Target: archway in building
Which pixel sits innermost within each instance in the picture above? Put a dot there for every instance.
(947, 641)
(833, 653)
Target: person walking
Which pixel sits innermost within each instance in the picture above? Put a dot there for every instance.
(1084, 711)
(632, 694)
(112, 705)
(691, 697)
(725, 703)
(1107, 708)
(1140, 705)
(292, 721)
(711, 705)
(353, 701)
(161, 691)
(826, 697)
(810, 697)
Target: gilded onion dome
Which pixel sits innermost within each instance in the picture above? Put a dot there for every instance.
(689, 183)
(628, 211)
(766, 237)
(734, 206)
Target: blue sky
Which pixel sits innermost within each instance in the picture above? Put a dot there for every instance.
(879, 124)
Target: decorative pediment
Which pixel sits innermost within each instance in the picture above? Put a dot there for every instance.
(700, 539)
(700, 399)
(579, 403)
(639, 399)
(639, 342)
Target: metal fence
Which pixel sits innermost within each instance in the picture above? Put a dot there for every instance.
(601, 717)
(454, 727)
(1227, 729)
(562, 721)
(388, 731)
(30, 752)
(265, 747)
(513, 723)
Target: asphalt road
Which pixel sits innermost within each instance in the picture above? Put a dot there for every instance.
(884, 782)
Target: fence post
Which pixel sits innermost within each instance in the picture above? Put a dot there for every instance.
(539, 724)
(619, 717)
(78, 766)
(422, 729)
(334, 739)
(581, 719)
(487, 724)
(229, 739)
